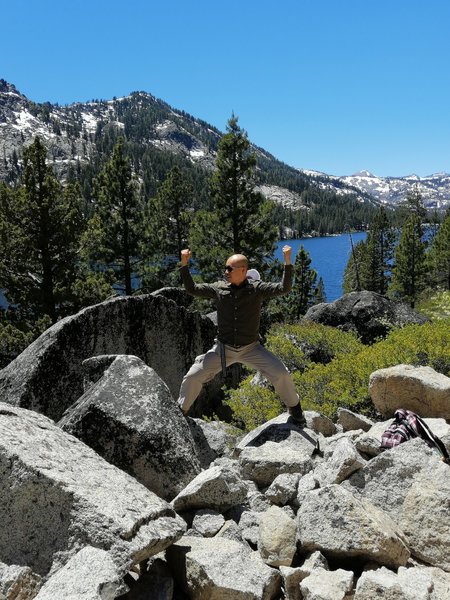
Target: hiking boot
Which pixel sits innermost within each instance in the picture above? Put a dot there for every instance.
(297, 415)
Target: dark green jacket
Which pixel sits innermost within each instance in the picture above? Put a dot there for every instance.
(238, 307)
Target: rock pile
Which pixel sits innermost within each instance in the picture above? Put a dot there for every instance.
(282, 513)
(125, 499)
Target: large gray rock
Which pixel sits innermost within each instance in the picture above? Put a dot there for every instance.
(48, 376)
(411, 484)
(283, 489)
(338, 524)
(420, 389)
(131, 405)
(344, 461)
(284, 432)
(57, 496)
(386, 479)
(89, 575)
(327, 585)
(263, 464)
(368, 314)
(350, 420)
(221, 569)
(425, 518)
(218, 488)
(277, 537)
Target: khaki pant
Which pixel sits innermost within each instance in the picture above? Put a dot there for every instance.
(255, 356)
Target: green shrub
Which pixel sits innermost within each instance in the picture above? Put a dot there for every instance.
(252, 405)
(344, 380)
(436, 306)
(297, 345)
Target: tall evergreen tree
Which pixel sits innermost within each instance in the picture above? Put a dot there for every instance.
(303, 293)
(115, 230)
(320, 291)
(438, 257)
(413, 204)
(40, 227)
(352, 273)
(241, 220)
(168, 218)
(377, 257)
(409, 271)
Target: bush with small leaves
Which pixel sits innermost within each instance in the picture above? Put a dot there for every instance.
(343, 381)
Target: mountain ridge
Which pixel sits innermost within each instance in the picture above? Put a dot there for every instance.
(391, 190)
(71, 134)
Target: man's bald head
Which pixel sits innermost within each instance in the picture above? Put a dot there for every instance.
(236, 269)
(238, 260)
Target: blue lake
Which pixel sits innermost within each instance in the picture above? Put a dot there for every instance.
(329, 257)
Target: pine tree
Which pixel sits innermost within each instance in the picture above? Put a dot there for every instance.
(168, 218)
(413, 204)
(378, 253)
(408, 277)
(40, 226)
(115, 230)
(303, 293)
(320, 292)
(352, 273)
(241, 220)
(438, 257)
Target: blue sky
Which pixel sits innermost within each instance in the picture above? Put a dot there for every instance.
(332, 85)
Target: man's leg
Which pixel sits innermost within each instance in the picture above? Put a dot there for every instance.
(205, 367)
(275, 371)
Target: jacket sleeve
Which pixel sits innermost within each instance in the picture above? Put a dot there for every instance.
(271, 290)
(203, 290)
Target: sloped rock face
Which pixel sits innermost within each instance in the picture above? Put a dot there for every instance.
(369, 314)
(420, 389)
(130, 418)
(58, 496)
(48, 376)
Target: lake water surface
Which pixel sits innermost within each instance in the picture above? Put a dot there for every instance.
(329, 257)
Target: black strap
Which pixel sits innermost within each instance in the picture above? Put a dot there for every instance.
(433, 439)
(223, 361)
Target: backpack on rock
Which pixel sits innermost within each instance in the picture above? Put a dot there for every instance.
(407, 425)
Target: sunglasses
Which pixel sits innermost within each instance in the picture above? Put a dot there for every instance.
(229, 268)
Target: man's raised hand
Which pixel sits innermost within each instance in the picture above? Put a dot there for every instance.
(287, 254)
(185, 256)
